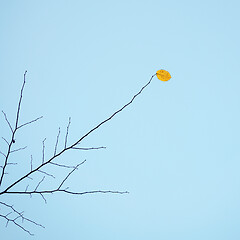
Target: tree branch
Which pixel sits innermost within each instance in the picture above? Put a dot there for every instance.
(91, 148)
(18, 215)
(30, 122)
(15, 129)
(78, 141)
(66, 137)
(55, 150)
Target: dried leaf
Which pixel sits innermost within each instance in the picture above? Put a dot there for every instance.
(163, 75)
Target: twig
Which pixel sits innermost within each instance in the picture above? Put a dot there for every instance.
(29, 122)
(70, 174)
(19, 215)
(69, 122)
(5, 141)
(3, 154)
(15, 129)
(18, 149)
(43, 198)
(69, 192)
(20, 100)
(62, 165)
(43, 142)
(55, 150)
(48, 174)
(39, 183)
(92, 148)
(5, 115)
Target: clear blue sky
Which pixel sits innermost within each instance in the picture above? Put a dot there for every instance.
(175, 149)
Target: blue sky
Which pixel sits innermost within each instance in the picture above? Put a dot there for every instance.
(175, 149)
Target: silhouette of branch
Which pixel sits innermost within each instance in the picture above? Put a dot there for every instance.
(92, 148)
(62, 165)
(13, 130)
(66, 191)
(3, 154)
(39, 183)
(17, 215)
(50, 175)
(5, 141)
(5, 115)
(43, 150)
(29, 122)
(15, 150)
(51, 160)
(77, 142)
(66, 137)
(55, 150)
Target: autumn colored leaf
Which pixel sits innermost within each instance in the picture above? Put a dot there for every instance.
(163, 75)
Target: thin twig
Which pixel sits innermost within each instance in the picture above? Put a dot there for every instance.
(20, 100)
(15, 150)
(15, 129)
(5, 115)
(48, 174)
(91, 148)
(66, 137)
(43, 198)
(5, 141)
(29, 122)
(3, 154)
(55, 150)
(70, 174)
(69, 192)
(62, 165)
(43, 142)
(39, 183)
(19, 215)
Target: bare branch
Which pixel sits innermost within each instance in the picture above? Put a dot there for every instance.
(78, 141)
(18, 215)
(13, 163)
(6, 141)
(17, 224)
(50, 175)
(15, 150)
(69, 192)
(5, 115)
(13, 131)
(39, 183)
(91, 192)
(70, 174)
(66, 137)
(27, 123)
(20, 100)
(115, 113)
(92, 148)
(43, 198)
(61, 165)
(43, 142)
(15, 216)
(3, 154)
(55, 150)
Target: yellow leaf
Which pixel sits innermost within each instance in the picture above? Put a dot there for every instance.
(163, 75)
